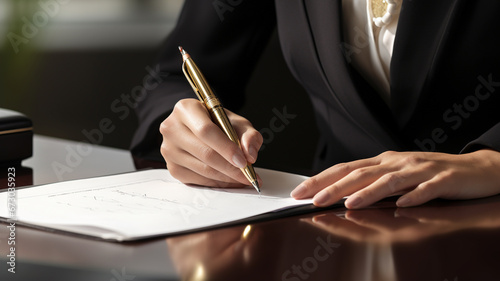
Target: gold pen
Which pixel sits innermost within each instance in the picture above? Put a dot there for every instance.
(206, 95)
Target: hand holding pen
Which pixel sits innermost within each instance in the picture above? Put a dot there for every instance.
(197, 151)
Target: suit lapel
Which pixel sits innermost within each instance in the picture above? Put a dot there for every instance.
(325, 20)
(421, 30)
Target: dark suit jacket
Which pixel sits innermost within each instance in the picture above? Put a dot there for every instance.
(445, 73)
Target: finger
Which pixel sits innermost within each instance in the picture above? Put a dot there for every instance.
(423, 193)
(354, 181)
(193, 164)
(343, 227)
(259, 180)
(205, 161)
(180, 146)
(388, 184)
(188, 176)
(428, 214)
(197, 119)
(328, 177)
(382, 220)
(251, 140)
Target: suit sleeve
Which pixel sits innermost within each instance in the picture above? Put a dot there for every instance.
(490, 139)
(225, 38)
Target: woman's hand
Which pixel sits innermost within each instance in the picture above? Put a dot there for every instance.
(420, 176)
(198, 152)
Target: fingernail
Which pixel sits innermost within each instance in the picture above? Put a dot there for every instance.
(239, 161)
(354, 201)
(298, 191)
(403, 202)
(321, 199)
(253, 153)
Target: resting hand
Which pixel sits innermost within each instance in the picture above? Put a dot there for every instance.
(198, 152)
(420, 176)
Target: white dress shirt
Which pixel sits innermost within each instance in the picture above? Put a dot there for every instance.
(369, 46)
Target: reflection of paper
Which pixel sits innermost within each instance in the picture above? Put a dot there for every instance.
(147, 203)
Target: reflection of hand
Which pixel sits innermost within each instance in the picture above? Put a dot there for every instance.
(198, 152)
(212, 253)
(464, 214)
(421, 175)
(373, 225)
(410, 224)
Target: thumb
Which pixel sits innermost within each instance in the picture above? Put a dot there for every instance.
(251, 141)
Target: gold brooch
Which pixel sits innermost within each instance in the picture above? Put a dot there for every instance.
(383, 11)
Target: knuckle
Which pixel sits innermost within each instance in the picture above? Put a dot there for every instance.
(425, 190)
(343, 168)
(361, 172)
(388, 153)
(256, 136)
(165, 127)
(206, 153)
(203, 130)
(392, 178)
(429, 188)
(333, 190)
(425, 186)
(392, 181)
(179, 107)
(209, 172)
(182, 104)
(430, 166)
(164, 150)
(312, 182)
(168, 145)
(174, 170)
(414, 159)
(183, 107)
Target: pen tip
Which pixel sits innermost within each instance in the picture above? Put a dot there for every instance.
(256, 185)
(184, 54)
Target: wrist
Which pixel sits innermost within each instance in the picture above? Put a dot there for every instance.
(487, 157)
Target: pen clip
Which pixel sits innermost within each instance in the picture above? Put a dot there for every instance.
(191, 82)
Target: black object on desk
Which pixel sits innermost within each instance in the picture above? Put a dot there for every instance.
(16, 137)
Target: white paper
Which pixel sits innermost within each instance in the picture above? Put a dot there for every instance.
(147, 203)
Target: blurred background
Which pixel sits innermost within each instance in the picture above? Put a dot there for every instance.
(64, 62)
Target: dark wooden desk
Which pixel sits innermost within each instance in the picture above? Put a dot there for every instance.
(442, 240)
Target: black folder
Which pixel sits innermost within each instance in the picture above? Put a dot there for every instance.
(16, 137)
